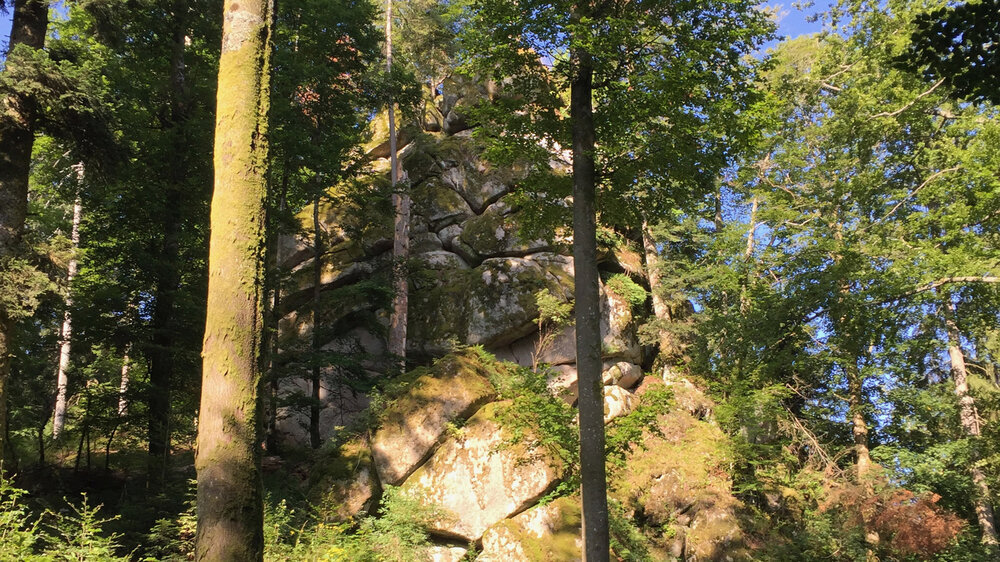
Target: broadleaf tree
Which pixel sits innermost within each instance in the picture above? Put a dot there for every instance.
(643, 80)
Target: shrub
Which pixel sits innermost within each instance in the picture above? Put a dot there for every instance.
(628, 290)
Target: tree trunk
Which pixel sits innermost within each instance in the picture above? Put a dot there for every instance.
(970, 425)
(314, 404)
(401, 227)
(859, 427)
(747, 256)
(670, 349)
(593, 477)
(230, 490)
(123, 386)
(62, 381)
(17, 134)
(848, 348)
(161, 351)
(270, 340)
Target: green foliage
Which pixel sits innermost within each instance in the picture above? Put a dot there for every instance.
(627, 542)
(553, 316)
(664, 125)
(171, 539)
(958, 43)
(628, 290)
(551, 309)
(536, 418)
(19, 532)
(21, 285)
(78, 536)
(73, 534)
(627, 432)
(398, 533)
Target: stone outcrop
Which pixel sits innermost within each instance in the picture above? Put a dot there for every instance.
(478, 479)
(473, 273)
(442, 437)
(417, 420)
(549, 532)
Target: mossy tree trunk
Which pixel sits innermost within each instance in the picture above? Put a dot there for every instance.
(230, 495)
(17, 134)
(593, 476)
(970, 425)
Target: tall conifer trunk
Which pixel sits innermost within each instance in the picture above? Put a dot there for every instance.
(161, 349)
(66, 336)
(593, 476)
(17, 134)
(230, 491)
(970, 425)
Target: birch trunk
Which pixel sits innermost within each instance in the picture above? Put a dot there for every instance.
(123, 386)
(230, 490)
(66, 336)
(970, 425)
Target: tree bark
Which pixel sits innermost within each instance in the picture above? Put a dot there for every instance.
(314, 404)
(670, 349)
(401, 225)
(970, 425)
(123, 386)
(17, 134)
(230, 490)
(593, 476)
(161, 350)
(66, 336)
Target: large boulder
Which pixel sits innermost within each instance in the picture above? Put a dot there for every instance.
(677, 482)
(617, 402)
(439, 553)
(416, 421)
(495, 234)
(439, 204)
(549, 532)
(478, 478)
(490, 305)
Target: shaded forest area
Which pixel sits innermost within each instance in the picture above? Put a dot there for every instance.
(264, 266)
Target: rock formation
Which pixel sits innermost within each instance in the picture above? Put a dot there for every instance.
(441, 436)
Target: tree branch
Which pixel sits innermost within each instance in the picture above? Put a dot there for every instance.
(909, 105)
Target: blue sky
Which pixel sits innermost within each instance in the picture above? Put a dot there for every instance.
(791, 22)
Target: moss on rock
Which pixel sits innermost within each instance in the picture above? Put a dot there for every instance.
(456, 386)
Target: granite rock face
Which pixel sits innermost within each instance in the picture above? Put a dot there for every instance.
(478, 480)
(548, 532)
(416, 421)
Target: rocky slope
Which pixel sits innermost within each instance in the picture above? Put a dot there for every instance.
(447, 435)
